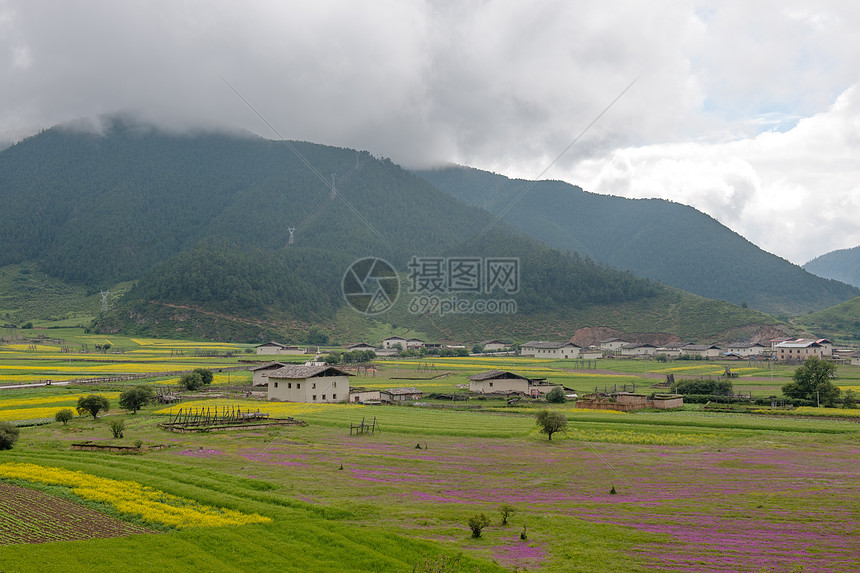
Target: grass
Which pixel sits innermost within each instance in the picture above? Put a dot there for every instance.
(695, 490)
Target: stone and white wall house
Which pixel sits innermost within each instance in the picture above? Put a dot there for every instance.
(311, 384)
(638, 349)
(543, 349)
(703, 350)
(261, 372)
(277, 348)
(746, 348)
(494, 345)
(498, 382)
(612, 344)
(798, 350)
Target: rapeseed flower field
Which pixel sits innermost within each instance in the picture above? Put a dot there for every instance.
(132, 498)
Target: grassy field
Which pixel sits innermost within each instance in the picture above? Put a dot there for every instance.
(693, 490)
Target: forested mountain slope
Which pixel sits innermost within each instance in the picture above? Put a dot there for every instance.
(201, 223)
(842, 265)
(654, 238)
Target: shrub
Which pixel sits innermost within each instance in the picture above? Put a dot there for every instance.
(709, 387)
(8, 435)
(205, 375)
(477, 523)
(191, 381)
(117, 427)
(92, 405)
(65, 415)
(556, 396)
(506, 511)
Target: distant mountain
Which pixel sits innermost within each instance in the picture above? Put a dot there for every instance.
(201, 224)
(842, 265)
(840, 323)
(657, 239)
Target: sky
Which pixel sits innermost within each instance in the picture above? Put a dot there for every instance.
(747, 110)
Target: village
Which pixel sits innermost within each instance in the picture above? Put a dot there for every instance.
(320, 381)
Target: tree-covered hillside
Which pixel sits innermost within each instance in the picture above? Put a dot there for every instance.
(202, 224)
(842, 265)
(654, 238)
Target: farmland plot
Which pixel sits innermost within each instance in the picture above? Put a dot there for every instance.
(29, 516)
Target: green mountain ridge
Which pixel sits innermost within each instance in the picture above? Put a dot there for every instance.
(202, 224)
(842, 265)
(654, 238)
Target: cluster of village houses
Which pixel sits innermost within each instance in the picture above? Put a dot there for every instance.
(315, 382)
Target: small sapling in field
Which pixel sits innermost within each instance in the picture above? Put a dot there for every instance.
(477, 523)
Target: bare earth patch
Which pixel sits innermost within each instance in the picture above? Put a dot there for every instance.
(31, 516)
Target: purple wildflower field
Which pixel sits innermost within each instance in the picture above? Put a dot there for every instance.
(746, 506)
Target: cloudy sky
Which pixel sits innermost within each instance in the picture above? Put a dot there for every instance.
(749, 111)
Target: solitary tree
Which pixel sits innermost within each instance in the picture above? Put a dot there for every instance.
(477, 523)
(65, 415)
(507, 511)
(551, 422)
(556, 396)
(135, 398)
(8, 435)
(92, 405)
(812, 381)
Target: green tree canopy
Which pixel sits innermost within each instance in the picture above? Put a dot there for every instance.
(813, 381)
(8, 435)
(551, 422)
(192, 381)
(556, 396)
(92, 405)
(135, 398)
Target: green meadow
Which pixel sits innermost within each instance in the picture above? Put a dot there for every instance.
(689, 490)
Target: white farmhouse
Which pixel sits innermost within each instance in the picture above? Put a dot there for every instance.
(313, 384)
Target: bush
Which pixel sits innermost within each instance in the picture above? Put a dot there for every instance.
(117, 427)
(191, 381)
(205, 375)
(556, 396)
(477, 523)
(708, 387)
(92, 405)
(65, 415)
(507, 511)
(8, 435)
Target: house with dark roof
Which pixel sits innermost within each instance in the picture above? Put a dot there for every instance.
(703, 350)
(613, 344)
(638, 349)
(504, 382)
(277, 348)
(261, 372)
(312, 384)
(745, 348)
(544, 349)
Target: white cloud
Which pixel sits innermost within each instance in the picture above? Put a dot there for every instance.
(794, 193)
(499, 84)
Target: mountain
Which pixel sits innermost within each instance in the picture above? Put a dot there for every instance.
(654, 238)
(842, 265)
(840, 323)
(201, 224)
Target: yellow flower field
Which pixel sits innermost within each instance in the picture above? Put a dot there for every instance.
(39, 400)
(637, 437)
(133, 498)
